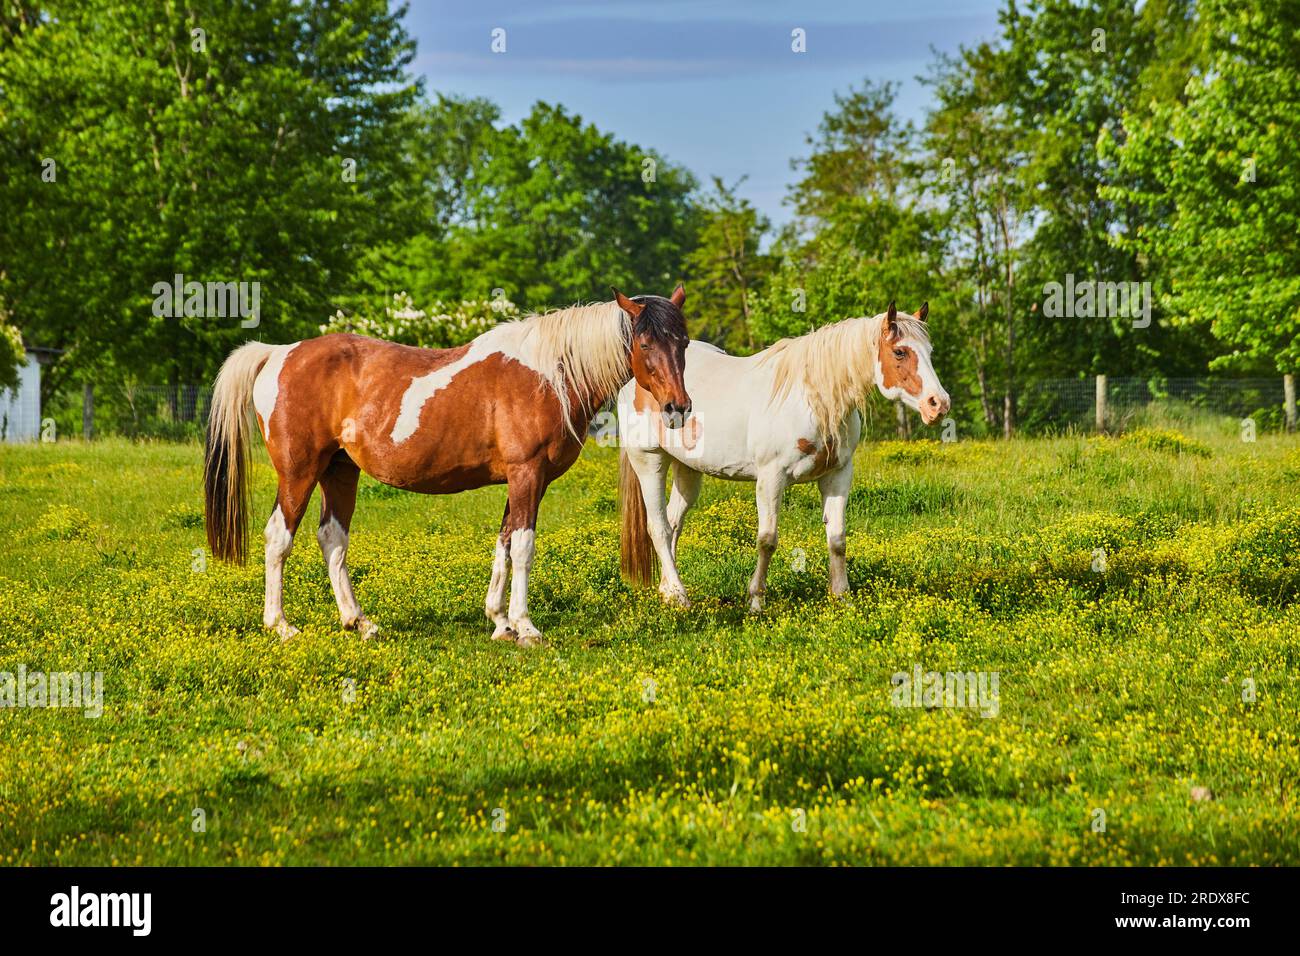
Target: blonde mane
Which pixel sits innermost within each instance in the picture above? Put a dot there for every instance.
(583, 347)
(835, 365)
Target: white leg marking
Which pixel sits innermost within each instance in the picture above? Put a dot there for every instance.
(522, 544)
(686, 489)
(835, 488)
(279, 542)
(495, 605)
(334, 546)
(767, 492)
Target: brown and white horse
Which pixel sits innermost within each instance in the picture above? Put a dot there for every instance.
(512, 407)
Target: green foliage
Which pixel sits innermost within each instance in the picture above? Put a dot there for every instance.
(545, 213)
(140, 142)
(1221, 164)
(726, 272)
(12, 354)
(1163, 439)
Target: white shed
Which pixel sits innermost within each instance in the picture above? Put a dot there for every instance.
(20, 411)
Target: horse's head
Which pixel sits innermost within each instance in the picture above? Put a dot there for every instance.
(903, 369)
(658, 350)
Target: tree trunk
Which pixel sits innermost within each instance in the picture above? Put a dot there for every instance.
(88, 411)
(904, 428)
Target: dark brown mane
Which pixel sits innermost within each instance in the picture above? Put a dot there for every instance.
(660, 318)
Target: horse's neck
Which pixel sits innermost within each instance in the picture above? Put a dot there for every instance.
(583, 407)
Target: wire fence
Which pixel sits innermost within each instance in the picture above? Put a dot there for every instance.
(179, 413)
(1065, 404)
(160, 412)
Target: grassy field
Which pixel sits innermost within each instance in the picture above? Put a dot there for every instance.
(1136, 598)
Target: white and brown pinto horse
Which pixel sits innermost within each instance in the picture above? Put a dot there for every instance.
(786, 415)
(512, 407)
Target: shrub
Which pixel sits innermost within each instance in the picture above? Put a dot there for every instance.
(64, 523)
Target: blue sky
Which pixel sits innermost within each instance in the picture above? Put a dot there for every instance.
(711, 84)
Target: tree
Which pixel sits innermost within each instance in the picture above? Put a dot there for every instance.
(223, 143)
(1075, 76)
(862, 237)
(977, 165)
(725, 270)
(547, 212)
(1223, 163)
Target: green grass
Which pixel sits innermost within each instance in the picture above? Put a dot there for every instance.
(649, 735)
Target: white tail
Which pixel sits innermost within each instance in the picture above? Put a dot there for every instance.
(227, 457)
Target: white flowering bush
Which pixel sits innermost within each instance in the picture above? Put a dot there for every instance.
(440, 325)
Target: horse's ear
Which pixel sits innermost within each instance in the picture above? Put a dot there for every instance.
(626, 304)
(891, 319)
(678, 296)
(923, 311)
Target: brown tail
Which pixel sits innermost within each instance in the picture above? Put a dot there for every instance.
(637, 557)
(228, 454)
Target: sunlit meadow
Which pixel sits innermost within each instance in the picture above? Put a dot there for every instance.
(1137, 597)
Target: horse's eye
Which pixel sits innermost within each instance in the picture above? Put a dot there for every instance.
(900, 354)
(645, 346)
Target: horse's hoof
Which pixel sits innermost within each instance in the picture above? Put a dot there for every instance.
(676, 599)
(505, 634)
(286, 631)
(367, 628)
(533, 639)
(527, 634)
(756, 605)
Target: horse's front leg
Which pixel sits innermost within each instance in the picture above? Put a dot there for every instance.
(518, 531)
(767, 494)
(835, 487)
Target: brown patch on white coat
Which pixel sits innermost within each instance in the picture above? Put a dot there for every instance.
(825, 460)
(900, 367)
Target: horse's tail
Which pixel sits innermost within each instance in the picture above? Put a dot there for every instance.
(228, 454)
(637, 557)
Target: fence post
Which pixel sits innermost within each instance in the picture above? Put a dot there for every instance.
(1101, 404)
(900, 412)
(1288, 400)
(88, 411)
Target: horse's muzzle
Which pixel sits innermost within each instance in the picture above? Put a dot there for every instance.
(675, 415)
(934, 407)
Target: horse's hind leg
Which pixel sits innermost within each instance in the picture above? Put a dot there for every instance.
(338, 488)
(290, 505)
(686, 488)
